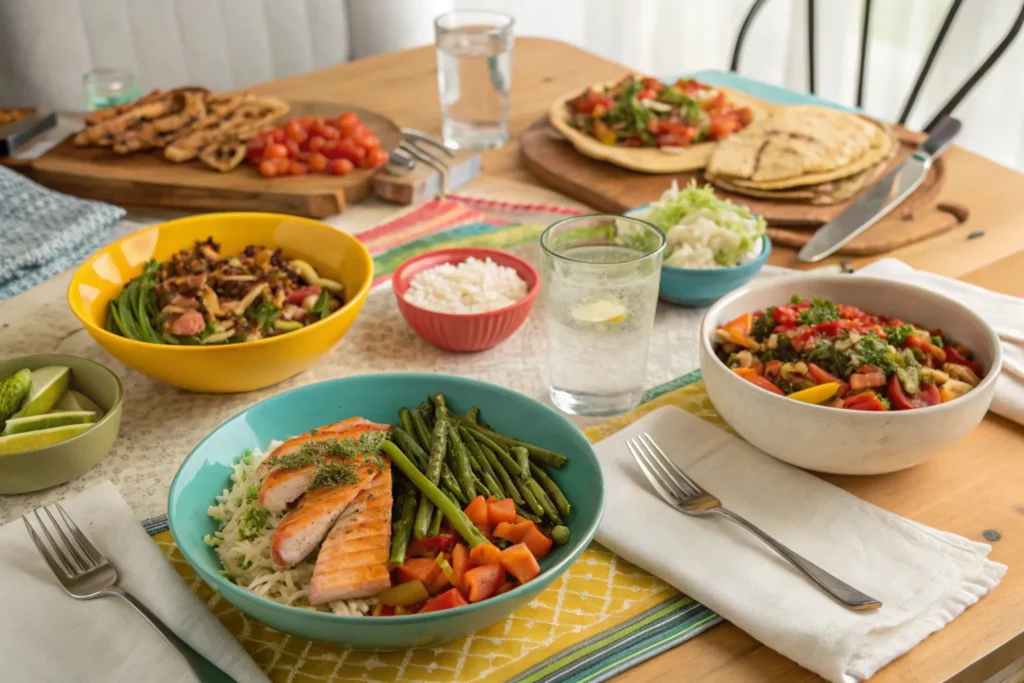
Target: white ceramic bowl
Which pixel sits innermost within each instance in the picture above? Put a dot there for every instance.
(849, 441)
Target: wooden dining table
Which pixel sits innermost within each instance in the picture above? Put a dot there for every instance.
(975, 489)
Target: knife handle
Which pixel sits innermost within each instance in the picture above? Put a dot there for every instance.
(940, 134)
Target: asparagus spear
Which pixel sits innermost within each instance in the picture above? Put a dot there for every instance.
(435, 523)
(401, 524)
(541, 455)
(420, 429)
(405, 419)
(522, 459)
(526, 514)
(507, 485)
(551, 488)
(433, 474)
(530, 498)
(408, 443)
(506, 460)
(463, 469)
(457, 517)
(452, 484)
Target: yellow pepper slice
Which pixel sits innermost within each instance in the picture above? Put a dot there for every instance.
(816, 395)
(603, 133)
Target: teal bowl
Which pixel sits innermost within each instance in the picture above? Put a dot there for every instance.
(699, 287)
(205, 472)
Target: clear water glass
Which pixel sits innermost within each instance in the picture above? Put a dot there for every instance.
(601, 276)
(474, 72)
(108, 87)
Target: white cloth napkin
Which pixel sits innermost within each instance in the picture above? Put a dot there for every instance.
(1004, 313)
(47, 636)
(924, 577)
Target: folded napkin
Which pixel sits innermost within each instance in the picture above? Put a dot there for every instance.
(45, 232)
(49, 636)
(1004, 313)
(924, 577)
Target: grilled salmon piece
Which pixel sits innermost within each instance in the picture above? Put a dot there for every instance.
(353, 559)
(282, 485)
(302, 529)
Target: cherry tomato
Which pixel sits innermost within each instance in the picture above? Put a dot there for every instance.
(292, 147)
(926, 395)
(299, 295)
(302, 156)
(316, 143)
(275, 151)
(348, 149)
(268, 168)
(283, 165)
(722, 125)
(327, 131)
(369, 141)
(297, 168)
(341, 166)
(292, 127)
(867, 400)
(349, 118)
(318, 162)
(377, 157)
(331, 150)
(299, 136)
(278, 135)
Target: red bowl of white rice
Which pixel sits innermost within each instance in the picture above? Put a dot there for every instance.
(465, 298)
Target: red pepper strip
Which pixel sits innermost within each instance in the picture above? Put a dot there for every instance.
(955, 356)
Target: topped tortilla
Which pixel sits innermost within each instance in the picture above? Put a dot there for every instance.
(645, 125)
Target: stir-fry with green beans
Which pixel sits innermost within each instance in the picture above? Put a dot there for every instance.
(198, 297)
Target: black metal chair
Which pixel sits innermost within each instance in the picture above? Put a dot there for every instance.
(922, 75)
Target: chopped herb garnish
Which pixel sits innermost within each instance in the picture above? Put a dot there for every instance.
(764, 325)
(897, 335)
(332, 474)
(252, 523)
(795, 299)
(937, 340)
(821, 311)
(252, 493)
(873, 350)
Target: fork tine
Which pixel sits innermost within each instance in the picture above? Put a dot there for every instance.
(54, 546)
(672, 467)
(95, 555)
(55, 567)
(68, 545)
(656, 481)
(671, 482)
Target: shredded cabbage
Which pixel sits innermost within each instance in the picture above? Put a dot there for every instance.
(699, 225)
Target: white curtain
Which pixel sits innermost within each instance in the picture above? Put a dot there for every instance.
(669, 37)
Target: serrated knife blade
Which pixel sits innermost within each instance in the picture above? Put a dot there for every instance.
(882, 197)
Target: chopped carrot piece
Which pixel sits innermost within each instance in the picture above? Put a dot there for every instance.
(742, 325)
(439, 584)
(484, 581)
(492, 499)
(460, 563)
(501, 511)
(477, 511)
(537, 542)
(446, 600)
(520, 519)
(485, 553)
(519, 561)
(513, 532)
(505, 587)
(423, 569)
(745, 373)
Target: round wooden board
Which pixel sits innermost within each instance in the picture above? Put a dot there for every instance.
(151, 180)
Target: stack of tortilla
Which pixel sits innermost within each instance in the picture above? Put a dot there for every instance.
(804, 153)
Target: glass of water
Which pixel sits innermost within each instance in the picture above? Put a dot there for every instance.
(601, 276)
(108, 87)
(474, 72)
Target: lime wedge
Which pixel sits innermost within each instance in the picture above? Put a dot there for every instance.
(18, 443)
(19, 425)
(74, 400)
(13, 392)
(48, 385)
(600, 312)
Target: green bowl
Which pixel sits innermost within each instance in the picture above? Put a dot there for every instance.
(205, 472)
(51, 465)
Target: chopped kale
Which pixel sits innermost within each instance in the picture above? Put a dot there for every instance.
(783, 351)
(764, 325)
(897, 335)
(937, 340)
(263, 314)
(873, 350)
(830, 359)
(821, 311)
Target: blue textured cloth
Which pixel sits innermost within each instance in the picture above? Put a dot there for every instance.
(43, 233)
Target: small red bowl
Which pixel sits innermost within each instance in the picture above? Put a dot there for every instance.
(464, 331)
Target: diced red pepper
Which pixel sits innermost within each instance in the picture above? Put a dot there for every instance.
(483, 582)
(430, 547)
(867, 400)
(419, 568)
(447, 600)
(954, 356)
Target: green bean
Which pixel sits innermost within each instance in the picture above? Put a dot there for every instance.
(551, 488)
(433, 474)
(526, 514)
(435, 523)
(170, 338)
(473, 414)
(412, 448)
(545, 502)
(530, 498)
(463, 470)
(506, 460)
(405, 419)
(541, 455)
(454, 496)
(142, 317)
(401, 525)
(449, 480)
(455, 515)
(440, 407)
(560, 534)
(486, 456)
(124, 308)
(420, 430)
(476, 455)
(522, 459)
(483, 488)
(117, 318)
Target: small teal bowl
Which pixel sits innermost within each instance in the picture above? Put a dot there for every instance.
(205, 472)
(695, 287)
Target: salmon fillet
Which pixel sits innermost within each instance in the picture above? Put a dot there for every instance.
(302, 529)
(281, 486)
(353, 559)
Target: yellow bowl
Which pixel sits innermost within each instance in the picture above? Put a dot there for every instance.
(231, 367)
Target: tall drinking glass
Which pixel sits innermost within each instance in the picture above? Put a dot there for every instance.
(474, 71)
(601, 276)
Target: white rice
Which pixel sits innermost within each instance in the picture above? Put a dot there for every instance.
(473, 286)
(243, 544)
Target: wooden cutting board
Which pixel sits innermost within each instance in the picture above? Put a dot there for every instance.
(150, 180)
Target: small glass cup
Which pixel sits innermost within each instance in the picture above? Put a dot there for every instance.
(601, 277)
(109, 87)
(474, 72)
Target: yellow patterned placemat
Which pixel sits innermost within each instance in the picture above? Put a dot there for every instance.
(601, 600)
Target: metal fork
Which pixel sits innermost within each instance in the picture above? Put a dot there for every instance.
(85, 574)
(686, 495)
